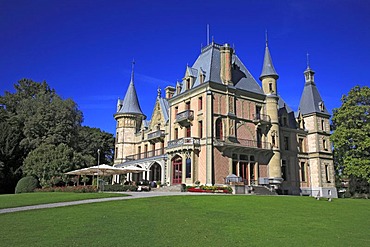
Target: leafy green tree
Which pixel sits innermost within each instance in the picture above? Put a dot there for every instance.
(42, 115)
(41, 135)
(48, 162)
(351, 137)
(92, 139)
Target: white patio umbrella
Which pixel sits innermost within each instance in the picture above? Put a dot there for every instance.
(101, 170)
(83, 171)
(105, 170)
(133, 169)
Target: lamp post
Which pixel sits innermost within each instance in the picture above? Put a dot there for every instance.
(97, 175)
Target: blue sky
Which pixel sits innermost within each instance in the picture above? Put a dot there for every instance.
(84, 49)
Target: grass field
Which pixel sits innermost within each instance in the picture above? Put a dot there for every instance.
(27, 199)
(222, 220)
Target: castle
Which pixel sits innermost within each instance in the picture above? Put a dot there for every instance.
(219, 121)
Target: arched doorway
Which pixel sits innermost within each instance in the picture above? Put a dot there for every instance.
(155, 172)
(176, 170)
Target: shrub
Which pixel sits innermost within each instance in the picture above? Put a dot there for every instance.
(118, 187)
(26, 184)
(77, 189)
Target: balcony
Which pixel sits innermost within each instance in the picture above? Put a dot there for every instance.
(144, 155)
(261, 119)
(156, 136)
(185, 143)
(241, 145)
(184, 118)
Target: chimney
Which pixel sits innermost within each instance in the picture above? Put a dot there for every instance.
(169, 92)
(226, 59)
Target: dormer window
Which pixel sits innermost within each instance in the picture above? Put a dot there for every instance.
(178, 88)
(201, 78)
(187, 83)
(321, 106)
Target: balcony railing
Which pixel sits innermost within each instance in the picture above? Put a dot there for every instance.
(148, 154)
(242, 142)
(261, 118)
(185, 117)
(186, 141)
(156, 135)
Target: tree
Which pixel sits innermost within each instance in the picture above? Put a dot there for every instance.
(41, 135)
(92, 139)
(351, 137)
(48, 162)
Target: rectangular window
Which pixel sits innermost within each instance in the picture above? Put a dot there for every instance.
(153, 149)
(327, 173)
(117, 135)
(187, 106)
(200, 129)
(323, 124)
(116, 153)
(286, 143)
(145, 150)
(258, 113)
(283, 169)
(200, 103)
(162, 147)
(176, 110)
(188, 131)
(176, 133)
(188, 168)
(139, 152)
(325, 145)
(300, 145)
(303, 171)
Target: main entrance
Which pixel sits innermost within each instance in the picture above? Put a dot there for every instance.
(176, 170)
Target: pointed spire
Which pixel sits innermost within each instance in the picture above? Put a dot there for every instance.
(130, 103)
(268, 68)
(309, 73)
(132, 71)
(308, 61)
(266, 37)
(159, 92)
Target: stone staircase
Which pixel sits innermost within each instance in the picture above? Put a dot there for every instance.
(173, 188)
(262, 190)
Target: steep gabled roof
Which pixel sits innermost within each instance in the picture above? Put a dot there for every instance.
(209, 63)
(311, 101)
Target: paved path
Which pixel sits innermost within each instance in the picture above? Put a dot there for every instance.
(133, 195)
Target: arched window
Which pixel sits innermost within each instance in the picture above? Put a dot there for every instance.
(219, 129)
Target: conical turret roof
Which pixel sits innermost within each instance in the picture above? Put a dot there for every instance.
(311, 101)
(268, 68)
(130, 103)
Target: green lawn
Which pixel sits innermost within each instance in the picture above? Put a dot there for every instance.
(27, 199)
(194, 221)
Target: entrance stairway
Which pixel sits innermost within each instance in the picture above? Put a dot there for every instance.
(262, 190)
(172, 188)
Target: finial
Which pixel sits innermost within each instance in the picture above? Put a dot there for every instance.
(213, 40)
(308, 60)
(207, 34)
(266, 37)
(132, 70)
(159, 92)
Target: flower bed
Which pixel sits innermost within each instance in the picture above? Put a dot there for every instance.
(209, 189)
